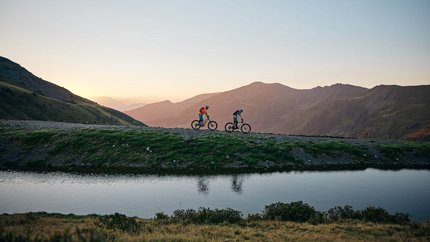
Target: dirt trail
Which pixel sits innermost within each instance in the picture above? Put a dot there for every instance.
(187, 133)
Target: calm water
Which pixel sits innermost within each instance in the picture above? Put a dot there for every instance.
(144, 195)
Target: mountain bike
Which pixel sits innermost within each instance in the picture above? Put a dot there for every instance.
(243, 127)
(212, 125)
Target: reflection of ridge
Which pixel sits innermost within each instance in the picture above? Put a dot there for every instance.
(236, 184)
(203, 185)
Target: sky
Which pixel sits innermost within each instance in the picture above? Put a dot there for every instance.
(156, 50)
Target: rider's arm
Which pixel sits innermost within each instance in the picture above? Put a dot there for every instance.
(207, 115)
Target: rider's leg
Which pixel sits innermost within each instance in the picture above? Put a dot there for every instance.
(235, 121)
(200, 119)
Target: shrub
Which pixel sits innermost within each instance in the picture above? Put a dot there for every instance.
(380, 215)
(118, 221)
(376, 215)
(207, 216)
(318, 218)
(342, 213)
(400, 218)
(295, 211)
(161, 216)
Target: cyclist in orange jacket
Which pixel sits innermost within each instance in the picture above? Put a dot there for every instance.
(203, 111)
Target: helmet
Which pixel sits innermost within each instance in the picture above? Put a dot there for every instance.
(207, 106)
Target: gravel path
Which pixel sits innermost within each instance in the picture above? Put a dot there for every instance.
(186, 133)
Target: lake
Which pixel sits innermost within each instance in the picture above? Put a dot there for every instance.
(144, 195)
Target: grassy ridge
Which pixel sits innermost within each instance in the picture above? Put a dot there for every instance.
(279, 222)
(19, 103)
(163, 150)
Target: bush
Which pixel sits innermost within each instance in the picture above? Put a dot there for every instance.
(118, 221)
(338, 213)
(380, 215)
(318, 218)
(295, 211)
(400, 218)
(207, 216)
(161, 216)
(376, 215)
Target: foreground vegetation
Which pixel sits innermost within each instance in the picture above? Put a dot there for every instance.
(162, 150)
(278, 222)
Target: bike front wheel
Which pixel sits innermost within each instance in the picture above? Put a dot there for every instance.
(245, 128)
(229, 127)
(212, 125)
(195, 125)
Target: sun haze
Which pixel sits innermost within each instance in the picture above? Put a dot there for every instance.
(159, 50)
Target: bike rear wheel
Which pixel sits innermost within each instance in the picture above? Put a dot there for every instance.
(229, 127)
(245, 128)
(195, 125)
(212, 125)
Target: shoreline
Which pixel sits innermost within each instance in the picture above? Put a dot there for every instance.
(191, 172)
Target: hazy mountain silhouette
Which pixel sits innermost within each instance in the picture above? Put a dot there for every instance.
(116, 103)
(337, 110)
(26, 96)
(153, 112)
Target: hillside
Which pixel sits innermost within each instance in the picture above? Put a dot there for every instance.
(100, 148)
(337, 110)
(25, 96)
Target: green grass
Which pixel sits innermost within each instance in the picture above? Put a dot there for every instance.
(158, 150)
(333, 148)
(395, 150)
(153, 147)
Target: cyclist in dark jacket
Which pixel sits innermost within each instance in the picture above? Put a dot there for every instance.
(236, 114)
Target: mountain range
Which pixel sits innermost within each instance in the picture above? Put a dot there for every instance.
(385, 111)
(26, 96)
(116, 103)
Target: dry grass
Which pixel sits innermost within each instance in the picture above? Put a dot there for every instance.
(75, 228)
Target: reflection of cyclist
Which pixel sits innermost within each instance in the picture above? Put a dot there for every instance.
(237, 113)
(203, 110)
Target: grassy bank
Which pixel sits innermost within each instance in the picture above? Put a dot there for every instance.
(161, 150)
(278, 222)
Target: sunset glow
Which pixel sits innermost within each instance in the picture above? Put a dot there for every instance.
(156, 50)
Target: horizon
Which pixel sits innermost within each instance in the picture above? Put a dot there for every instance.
(136, 100)
(167, 50)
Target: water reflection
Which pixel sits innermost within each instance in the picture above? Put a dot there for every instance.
(236, 184)
(203, 185)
